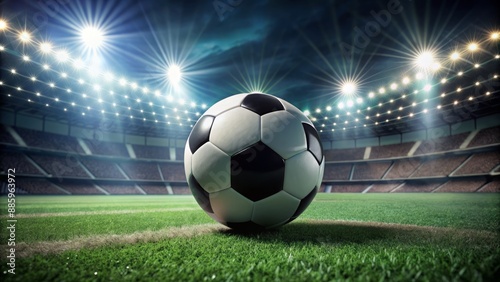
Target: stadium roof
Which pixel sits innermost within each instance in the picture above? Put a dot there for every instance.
(357, 69)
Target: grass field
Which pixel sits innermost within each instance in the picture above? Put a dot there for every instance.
(435, 237)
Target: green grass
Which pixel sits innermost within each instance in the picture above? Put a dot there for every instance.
(427, 237)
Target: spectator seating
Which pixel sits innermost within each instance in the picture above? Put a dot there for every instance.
(344, 154)
(441, 166)
(180, 189)
(98, 147)
(59, 166)
(403, 168)
(36, 187)
(104, 169)
(337, 171)
(371, 170)
(154, 189)
(49, 141)
(19, 162)
(414, 187)
(80, 188)
(491, 187)
(461, 185)
(179, 154)
(141, 170)
(122, 189)
(5, 136)
(349, 188)
(173, 171)
(442, 144)
(480, 163)
(486, 136)
(151, 152)
(383, 188)
(391, 151)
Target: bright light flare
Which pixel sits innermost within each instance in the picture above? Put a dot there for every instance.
(495, 35)
(174, 75)
(25, 36)
(454, 56)
(473, 47)
(3, 24)
(62, 56)
(45, 47)
(92, 37)
(425, 59)
(349, 88)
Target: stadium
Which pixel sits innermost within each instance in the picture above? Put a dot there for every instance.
(98, 100)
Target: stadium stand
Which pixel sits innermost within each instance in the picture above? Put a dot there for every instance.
(180, 189)
(60, 166)
(372, 170)
(344, 154)
(416, 187)
(337, 171)
(151, 152)
(141, 170)
(18, 161)
(486, 136)
(121, 189)
(154, 189)
(102, 168)
(349, 188)
(441, 166)
(49, 141)
(36, 187)
(179, 154)
(173, 171)
(461, 185)
(5, 136)
(383, 188)
(491, 187)
(391, 151)
(442, 144)
(79, 188)
(480, 163)
(388, 169)
(403, 168)
(98, 147)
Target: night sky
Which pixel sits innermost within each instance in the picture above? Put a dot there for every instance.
(297, 50)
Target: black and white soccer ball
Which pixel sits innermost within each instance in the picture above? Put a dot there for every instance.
(254, 161)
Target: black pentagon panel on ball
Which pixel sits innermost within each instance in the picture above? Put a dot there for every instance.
(262, 103)
(304, 203)
(257, 172)
(313, 142)
(200, 195)
(245, 226)
(200, 133)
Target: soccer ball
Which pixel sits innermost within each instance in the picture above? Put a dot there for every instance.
(254, 161)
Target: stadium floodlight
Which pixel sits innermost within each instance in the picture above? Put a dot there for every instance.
(92, 37)
(45, 47)
(381, 90)
(406, 80)
(3, 24)
(472, 46)
(394, 86)
(25, 36)
(349, 88)
(174, 75)
(454, 56)
(495, 35)
(424, 60)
